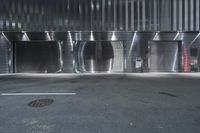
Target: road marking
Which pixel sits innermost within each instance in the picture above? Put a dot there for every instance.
(37, 94)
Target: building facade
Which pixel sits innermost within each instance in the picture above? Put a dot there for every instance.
(99, 36)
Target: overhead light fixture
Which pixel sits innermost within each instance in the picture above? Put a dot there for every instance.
(91, 36)
(47, 36)
(113, 38)
(195, 39)
(25, 36)
(156, 37)
(176, 35)
(4, 36)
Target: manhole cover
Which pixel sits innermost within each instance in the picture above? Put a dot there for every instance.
(41, 102)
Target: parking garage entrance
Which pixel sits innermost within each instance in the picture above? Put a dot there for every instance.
(37, 57)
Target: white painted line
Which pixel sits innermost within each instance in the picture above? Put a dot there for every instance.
(37, 94)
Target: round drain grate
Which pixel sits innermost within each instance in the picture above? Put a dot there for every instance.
(40, 102)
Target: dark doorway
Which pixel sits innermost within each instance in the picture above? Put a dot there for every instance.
(37, 57)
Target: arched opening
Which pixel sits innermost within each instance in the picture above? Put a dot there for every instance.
(98, 56)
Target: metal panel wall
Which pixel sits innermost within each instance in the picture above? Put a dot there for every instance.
(4, 54)
(135, 44)
(99, 15)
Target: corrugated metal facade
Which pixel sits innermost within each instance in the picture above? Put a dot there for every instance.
(71, 22)
(100, 15)
(135, 44)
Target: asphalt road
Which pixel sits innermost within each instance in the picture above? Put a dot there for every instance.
(104, 103)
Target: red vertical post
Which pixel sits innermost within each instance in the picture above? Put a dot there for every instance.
(185, 60)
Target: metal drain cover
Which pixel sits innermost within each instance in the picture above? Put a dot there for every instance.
(40, 102)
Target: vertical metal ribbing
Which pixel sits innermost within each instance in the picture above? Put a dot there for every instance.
(191, 15)
(68, 14)
(48, 15)
(115, 15)
(103, 14)
(180, 15)
(9, 22)
(121, 14)
(159, 14)
(44, 17)
(41, 13)
(143, 15)
(8, 14)
(155, 15)
(62, 18)
(132, 15)
(197, 14)
(138, 15)
(109, 7)
(174, 15)
(43, 21)
(150, 14)
(127, 15)
(186, 16)
(91, 14)
(98, 15)
(2, 15)
(21, 6)
(15, 16)
(165, 15)
(87, 19)
(34, 16)
(55, 20)
(80, 14)
(13, 13)
(75, 14)
(71, 14)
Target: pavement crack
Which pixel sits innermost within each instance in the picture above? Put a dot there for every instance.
(167, 94)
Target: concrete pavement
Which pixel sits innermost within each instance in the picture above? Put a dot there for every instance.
(104, 103)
